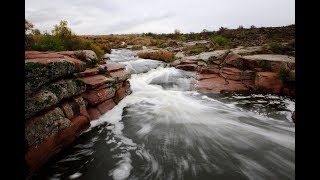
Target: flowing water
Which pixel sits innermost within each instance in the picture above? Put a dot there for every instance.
(163, 130)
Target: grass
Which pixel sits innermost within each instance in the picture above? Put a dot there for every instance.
(196, 49)
(162, 55)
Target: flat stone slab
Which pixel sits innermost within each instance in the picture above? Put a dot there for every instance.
(41, 68)
(94, 97)
(187, 67)
(219, 85)
(205, 56)
(192, 43)
(114, 67)
(270, 57)
(93, 82)
(120, 75)
(37, 55)
(207, 76)
(247, 50)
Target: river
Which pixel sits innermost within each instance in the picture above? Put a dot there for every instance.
(164, 130)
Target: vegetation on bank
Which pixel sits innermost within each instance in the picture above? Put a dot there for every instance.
(162, 55)
(223, 38)
(61, 38)
(275, 40)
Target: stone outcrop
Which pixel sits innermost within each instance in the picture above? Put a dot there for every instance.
(241, 69)
(64, 92)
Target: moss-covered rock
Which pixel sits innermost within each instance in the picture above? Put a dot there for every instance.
(39, 128)
(41, 71)
(52, 94)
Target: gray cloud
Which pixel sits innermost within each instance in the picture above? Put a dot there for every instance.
(127, 16)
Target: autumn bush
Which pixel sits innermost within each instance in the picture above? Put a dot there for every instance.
(162, 55)
(136, 47)
(61, 38)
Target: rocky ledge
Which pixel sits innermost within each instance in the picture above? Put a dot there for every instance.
(243, 69)
(64, 92)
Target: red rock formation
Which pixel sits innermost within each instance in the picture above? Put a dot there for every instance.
(268, 82)
(58, 110)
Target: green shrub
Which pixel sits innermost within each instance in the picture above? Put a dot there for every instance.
(106, 48)
(48, 43)
(196, 49)
(278, 48)
(220, 40)
(62, 38)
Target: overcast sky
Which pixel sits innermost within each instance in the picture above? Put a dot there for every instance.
(158, 16)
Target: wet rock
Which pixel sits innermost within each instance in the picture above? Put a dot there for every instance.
(293, 116)
(234, 86)
(94, 113)
(38, 128)
(93, 82)
(120, 94)
(211, 85)
(94, 97)
(36, 157)
(268, 82)
(106, 106)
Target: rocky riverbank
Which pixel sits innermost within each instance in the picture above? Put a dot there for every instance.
(64, 91)
(242, 69)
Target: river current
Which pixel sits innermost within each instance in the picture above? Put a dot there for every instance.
(164, 130)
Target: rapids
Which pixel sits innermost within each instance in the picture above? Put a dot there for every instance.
(164, 130)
